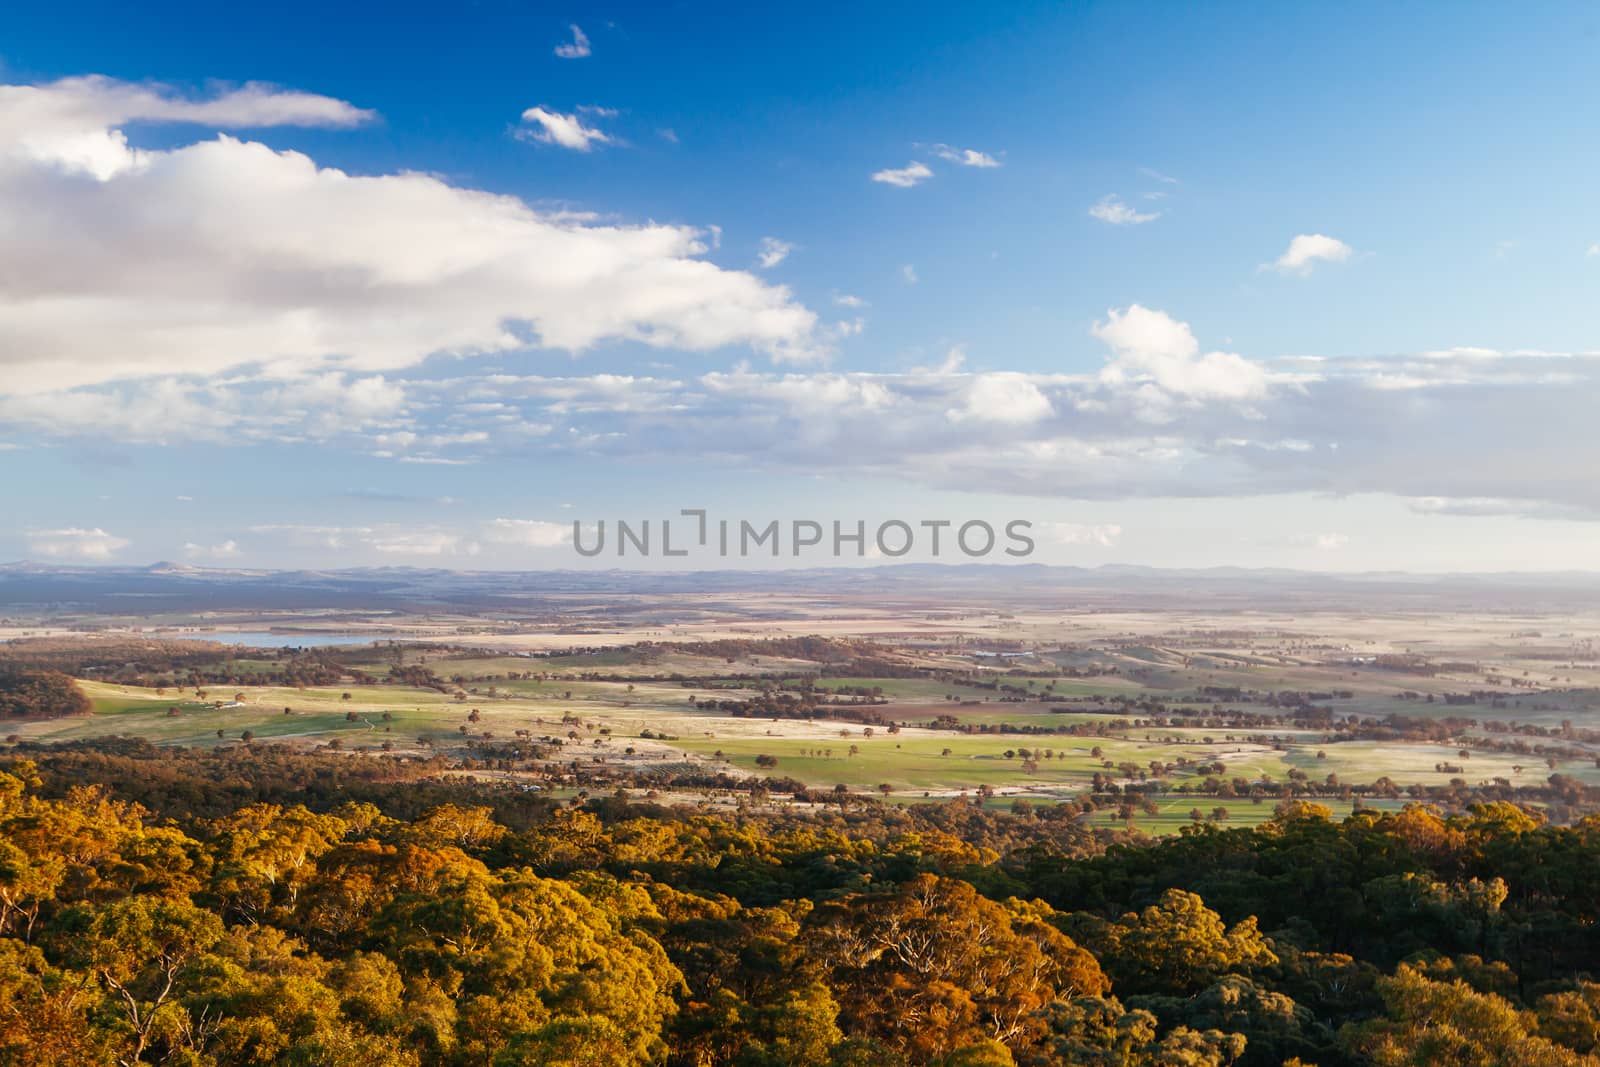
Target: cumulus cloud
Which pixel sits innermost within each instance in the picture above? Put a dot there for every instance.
(905, 177)
(527, 533)
(1002, 396)
(75, 542)
(577, 48)
(1309, 249)
(564, 131)
(1111, 209)
(966, 157)
(1161, 416)
(281, 267)
(1152, 348)
(773, 252)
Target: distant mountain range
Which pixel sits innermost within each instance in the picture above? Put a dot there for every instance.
(166, 586)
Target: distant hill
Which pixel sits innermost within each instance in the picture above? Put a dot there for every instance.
(180, 587)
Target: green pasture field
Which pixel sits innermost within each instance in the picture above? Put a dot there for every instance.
(910, 761)
(917, 762)
(1363, 762)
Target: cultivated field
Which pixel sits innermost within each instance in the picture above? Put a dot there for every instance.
(1180, 710)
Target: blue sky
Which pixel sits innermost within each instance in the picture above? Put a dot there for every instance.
(1233, 284)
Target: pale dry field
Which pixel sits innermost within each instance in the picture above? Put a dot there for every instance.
(1540, 668)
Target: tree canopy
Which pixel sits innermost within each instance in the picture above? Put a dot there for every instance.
(484, 928)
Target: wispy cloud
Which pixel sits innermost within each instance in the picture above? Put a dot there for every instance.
(1099, 535)
(225, 550)
(577, 48)
(773, 252)
(1309, 249)
(966, 157)
(528, 533)
(388, 539)
(1111, 209)
(565, 131)
(1157, 176)
(913, 173)
(909, 273)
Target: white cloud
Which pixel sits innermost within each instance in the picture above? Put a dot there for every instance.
(773, 252)
(74, 125)
(966, 157)
(1002, 396)
(1503, 507)
(529, 533)
(908, 272)
(1309, 249)
(287, 268)
(838, 331)
(1161, 417)
(226, 550)
(1154, 348)
(1102, 535)
(1156, 175)
(954, 359)
(577, 48)
(1111, 209)
(905, 177)
(75, 543)
(565, 131)
(845, 300)
(1594, 250)
(387, 539)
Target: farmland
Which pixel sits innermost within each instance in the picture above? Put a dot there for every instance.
(1159, 713)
